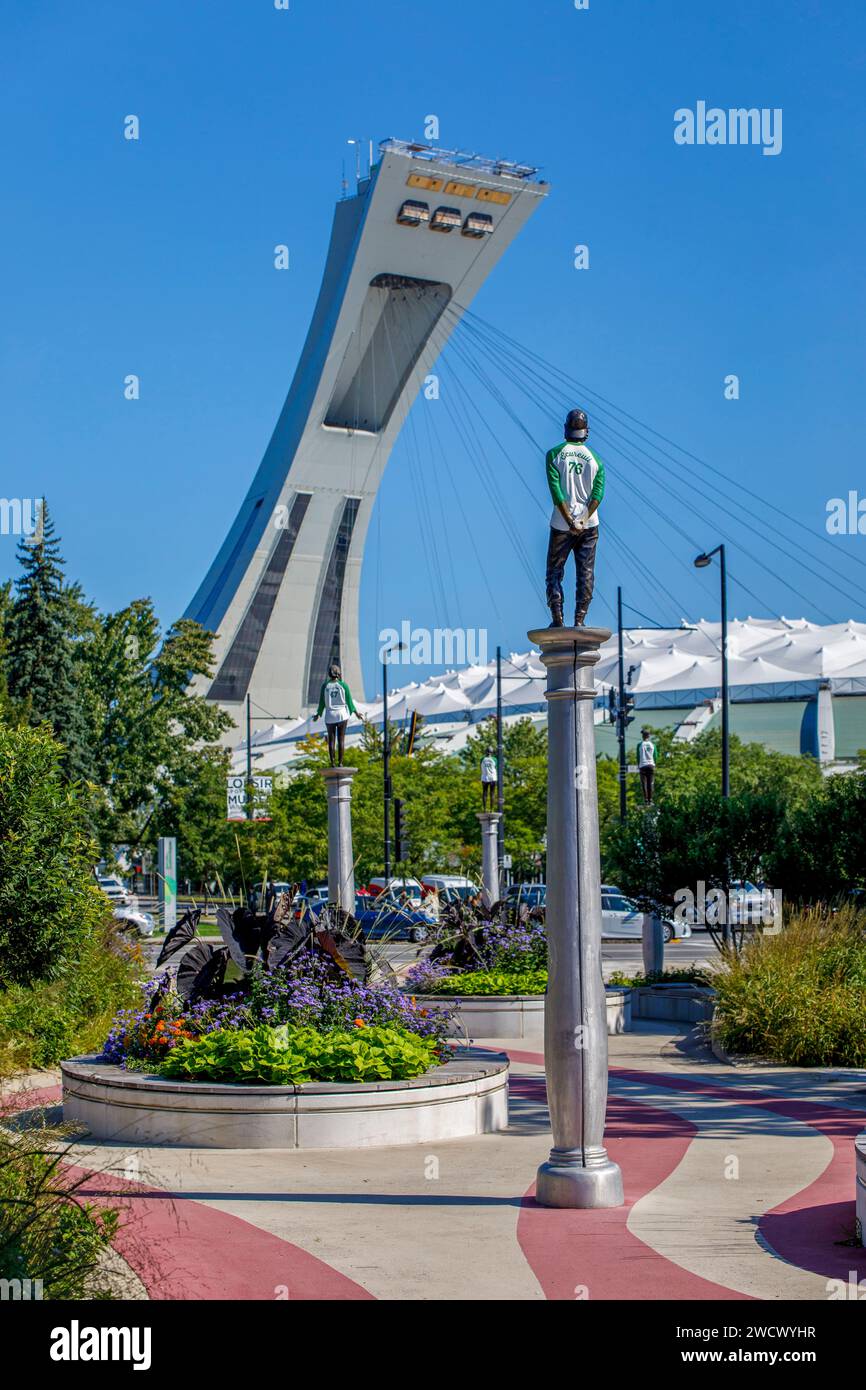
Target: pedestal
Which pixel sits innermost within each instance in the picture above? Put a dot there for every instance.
(341, 859)
(653, 943)
(578, 1172)
(490, 855)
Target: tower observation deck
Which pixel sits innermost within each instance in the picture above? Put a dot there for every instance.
(422, 233)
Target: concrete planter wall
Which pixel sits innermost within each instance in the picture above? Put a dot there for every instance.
(466, 1096)
(860, 1152)
(674, 1003)
(520, 1015)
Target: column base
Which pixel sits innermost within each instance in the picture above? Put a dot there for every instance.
(571, 1184)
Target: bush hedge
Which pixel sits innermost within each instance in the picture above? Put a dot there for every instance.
(798, 998)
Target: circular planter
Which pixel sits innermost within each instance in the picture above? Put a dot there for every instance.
(860, 1151)
(519, 1015)
(466, 1096)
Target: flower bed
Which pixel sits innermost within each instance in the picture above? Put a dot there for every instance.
(507, 958)
(306, 1021)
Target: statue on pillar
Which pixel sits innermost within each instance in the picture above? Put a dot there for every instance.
(335, 699)
(489, 777)
(575, 476)
(646, 764)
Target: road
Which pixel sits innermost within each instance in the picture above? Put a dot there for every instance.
(697, 951)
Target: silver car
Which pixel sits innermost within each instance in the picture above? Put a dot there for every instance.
(621, 919)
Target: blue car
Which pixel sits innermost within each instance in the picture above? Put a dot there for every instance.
(387, 921)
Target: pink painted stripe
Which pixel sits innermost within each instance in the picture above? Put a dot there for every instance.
(182, 1249)
(807, 1228)
(573, 1251)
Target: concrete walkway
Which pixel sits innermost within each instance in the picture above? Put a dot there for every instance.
(739, 1184)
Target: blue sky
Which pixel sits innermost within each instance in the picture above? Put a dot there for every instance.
(156, 257)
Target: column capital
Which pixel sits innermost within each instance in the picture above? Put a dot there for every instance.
(558, 643)
(337, 774)
(489, 817)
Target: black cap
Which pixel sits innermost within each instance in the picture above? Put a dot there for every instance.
(576, 426)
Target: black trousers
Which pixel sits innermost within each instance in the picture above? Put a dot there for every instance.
(582, 547)
(647, 778)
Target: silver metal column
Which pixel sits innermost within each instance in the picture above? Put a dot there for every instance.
(652, 943)
(341, 859)
(578, 1172)
(490, 855)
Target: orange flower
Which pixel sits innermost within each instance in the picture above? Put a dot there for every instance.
(359, 1023)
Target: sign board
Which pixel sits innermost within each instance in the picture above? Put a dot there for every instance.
(167, 866)
(506, 861)
(236, 796)
(633, 767)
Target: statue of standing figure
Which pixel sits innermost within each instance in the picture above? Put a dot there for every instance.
(335, 699)
(575, 476)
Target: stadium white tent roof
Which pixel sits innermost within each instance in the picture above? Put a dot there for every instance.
(770, 652)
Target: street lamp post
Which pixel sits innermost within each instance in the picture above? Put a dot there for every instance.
(701, 562)
(386, 760)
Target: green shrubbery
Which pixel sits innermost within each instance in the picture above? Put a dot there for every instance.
(284, 1056)
(47, 1232)
(798, 998)
(490, 982)
(64, 970)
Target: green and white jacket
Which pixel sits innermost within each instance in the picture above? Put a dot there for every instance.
(335, 698)
(575, 475)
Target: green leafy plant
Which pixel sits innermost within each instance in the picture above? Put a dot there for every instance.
(283, 1056)
(48, 1232)
(491, 982)
(692, 976)
(797, 998)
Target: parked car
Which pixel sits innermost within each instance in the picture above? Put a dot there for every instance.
(620, 918)
(114, 890)
(134, 921)
(533, 894)
(386, 919)
(747, 906)
(408, 888)
(450, 887)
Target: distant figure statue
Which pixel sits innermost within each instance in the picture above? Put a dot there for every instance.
(336, 700)
(489, 778)
(646, 764)
(575, 476)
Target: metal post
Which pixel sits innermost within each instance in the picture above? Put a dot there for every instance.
(386, 772)
(726, 725)
(249, 797)
(500, 790)
(620, 731)
(341, 860)
(578, 1172)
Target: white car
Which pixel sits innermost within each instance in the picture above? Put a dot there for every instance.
(114, 890)
(620, 918)
(396, 887)
(748, 906)
(450, 886)
(130, 919)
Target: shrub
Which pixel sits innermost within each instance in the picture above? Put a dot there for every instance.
(47, 1231)
(798, 998)
(284, 1056)
(42, 1023)
(49, 902)
(491, 982)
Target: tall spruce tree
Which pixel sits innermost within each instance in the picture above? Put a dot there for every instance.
(44, 625)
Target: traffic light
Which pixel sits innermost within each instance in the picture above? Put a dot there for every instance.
(398, 831)
(628, 711)
(611, 705)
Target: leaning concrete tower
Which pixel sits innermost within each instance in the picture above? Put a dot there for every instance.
(418, 239)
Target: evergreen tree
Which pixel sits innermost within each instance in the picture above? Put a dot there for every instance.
(44, 625)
